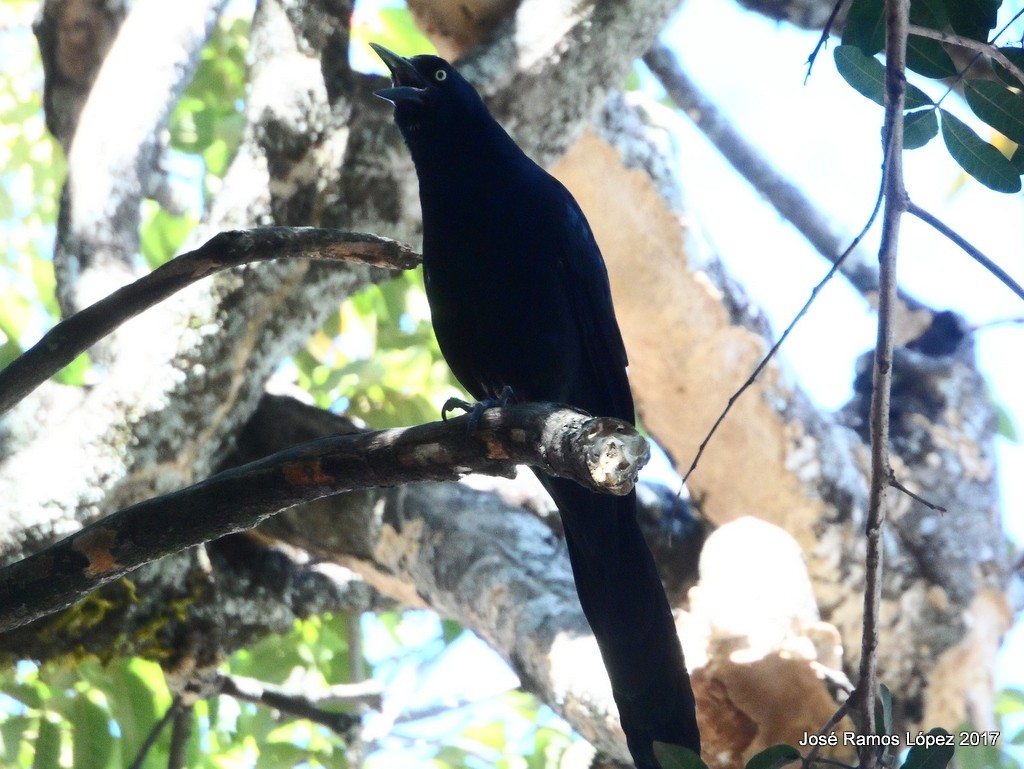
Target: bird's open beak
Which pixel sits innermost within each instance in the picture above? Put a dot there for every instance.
(408, 84)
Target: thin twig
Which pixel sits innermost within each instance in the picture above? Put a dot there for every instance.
(180, 733)
(986, 49)
(917, 497)
(996, 323)
(828, 726)
(73, 336)
(306, 705)
(970, 250)
(354, 636)
(782, 337)
(155, 732)
(897, 13)
(825, 32)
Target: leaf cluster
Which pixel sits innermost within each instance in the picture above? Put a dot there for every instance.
(993, 92)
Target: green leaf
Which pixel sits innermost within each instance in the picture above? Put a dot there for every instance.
(919, 128)
(883, 710)
(677, 757)
(47, 746)
(93, 743)
(866, 75)
(924, 55)
(163, 234)
(929, 13)
(1016, 57)
(450, 630)
(972, 18)
(1005, 425)
(1010, 700)
(977, 157)
(865, 26)
(74, 373)
(930, 756)
(139, 699)
(1017, 159)
(998, 106)
(774, 757)
(12, 730)
(927, 57)
(277, 754)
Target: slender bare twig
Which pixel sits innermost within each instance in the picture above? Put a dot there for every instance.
(787, 199)
(73, 336)
(917, 497)
(782, 337)
(986, 49)
(968, 248)
(996, 323)
(839, 715)
(354, 636)
(823, 38)
(155, 732)
(303, 704)
(897, 17)
(180, 733)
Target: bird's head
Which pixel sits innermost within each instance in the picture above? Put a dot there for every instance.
(432, 100)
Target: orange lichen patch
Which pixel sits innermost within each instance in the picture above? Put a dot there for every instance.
(96, 545)
(307, 473)
(496, 449)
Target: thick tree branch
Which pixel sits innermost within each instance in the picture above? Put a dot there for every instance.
(602, 453)
(791, 203)
(110, 161)
(72, 336)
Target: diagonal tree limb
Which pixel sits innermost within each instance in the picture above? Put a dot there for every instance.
(602, 453)
(76, 334)
(154, 734)
(304, 704)
(986, 49)
(1001, 275)
(791, 203)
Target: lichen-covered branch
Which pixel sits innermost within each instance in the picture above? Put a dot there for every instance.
(603, 453)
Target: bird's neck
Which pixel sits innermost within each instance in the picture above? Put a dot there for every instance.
(481, 149)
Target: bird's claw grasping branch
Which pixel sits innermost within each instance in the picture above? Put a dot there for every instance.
(475, 410)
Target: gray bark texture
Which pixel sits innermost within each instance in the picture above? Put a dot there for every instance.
(770, 625)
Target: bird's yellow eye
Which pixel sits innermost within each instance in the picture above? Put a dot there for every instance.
(440, 76)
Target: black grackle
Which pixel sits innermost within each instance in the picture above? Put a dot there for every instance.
(519, 297)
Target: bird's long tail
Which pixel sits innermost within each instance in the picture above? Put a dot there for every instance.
(623, 599)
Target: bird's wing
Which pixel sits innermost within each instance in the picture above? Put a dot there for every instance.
(589, 295)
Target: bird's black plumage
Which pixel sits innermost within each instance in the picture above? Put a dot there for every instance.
(519, 298)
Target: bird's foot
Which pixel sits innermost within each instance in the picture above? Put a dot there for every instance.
(475, 410)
